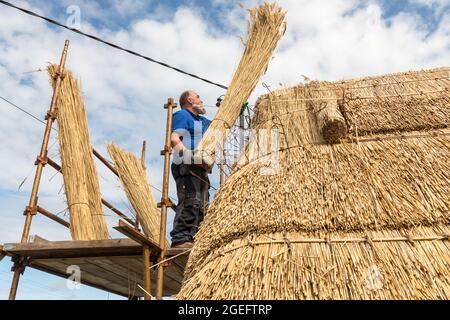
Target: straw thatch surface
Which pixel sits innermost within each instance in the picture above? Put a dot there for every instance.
(389, 184)
(266, 28)
(136, 185)
(410, 101)
(374, 265)
(80, 176)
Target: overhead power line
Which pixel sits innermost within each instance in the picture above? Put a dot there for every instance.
(23, 110)
(115, 46)
(36, 118)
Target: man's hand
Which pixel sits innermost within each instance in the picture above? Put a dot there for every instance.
(177, 144)
(191, 157)
(203, 161)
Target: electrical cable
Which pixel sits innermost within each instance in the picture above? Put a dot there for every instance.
(115, 46)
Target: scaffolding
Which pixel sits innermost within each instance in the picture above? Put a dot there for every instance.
(134, 267)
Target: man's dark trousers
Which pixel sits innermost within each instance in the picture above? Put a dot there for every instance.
(193, 198)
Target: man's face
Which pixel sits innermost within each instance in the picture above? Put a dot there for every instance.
(197, 103)
(194, 99)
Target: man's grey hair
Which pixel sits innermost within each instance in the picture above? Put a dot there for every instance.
(184, 97)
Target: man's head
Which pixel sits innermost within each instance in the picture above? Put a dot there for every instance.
(191, 101)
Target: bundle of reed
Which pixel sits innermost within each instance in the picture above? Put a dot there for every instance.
(425, 112)
(137, 188)
(80, 176)
(389, 187)
(266, 28)
(325, 103)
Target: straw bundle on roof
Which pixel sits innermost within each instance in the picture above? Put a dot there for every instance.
(135, 182)
(80, 176)
(266, 28)
(366, 218)
(325, 103)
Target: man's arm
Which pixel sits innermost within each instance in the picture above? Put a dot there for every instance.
(177, 144)
(180, 149)
(179, 122)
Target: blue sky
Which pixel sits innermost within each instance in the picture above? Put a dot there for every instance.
(212, 11)
(124, 95)
(430, 14)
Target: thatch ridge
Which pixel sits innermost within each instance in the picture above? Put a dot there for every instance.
(407, 101)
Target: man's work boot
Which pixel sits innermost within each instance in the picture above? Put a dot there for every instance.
(183, 245)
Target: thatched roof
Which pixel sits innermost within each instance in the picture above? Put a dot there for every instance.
(362, 188)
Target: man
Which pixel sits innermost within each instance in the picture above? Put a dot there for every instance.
(191, 176)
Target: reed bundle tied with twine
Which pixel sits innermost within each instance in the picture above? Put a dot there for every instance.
(266, 28)
(137, 188)
(80, 175)
(325, 103)
(365, 218)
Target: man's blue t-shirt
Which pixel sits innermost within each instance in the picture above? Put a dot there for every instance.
(190, 127)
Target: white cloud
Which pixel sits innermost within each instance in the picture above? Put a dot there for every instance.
(124, 95)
